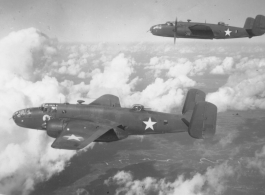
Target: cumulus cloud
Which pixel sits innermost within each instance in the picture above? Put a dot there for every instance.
(115, 78)
(25, 156)
(19, 89)
(162, 95)
(25, 51)
(243, 90)
(213, 181)
(225, 67)
(258, 161)
(184, 66)
(19, 49)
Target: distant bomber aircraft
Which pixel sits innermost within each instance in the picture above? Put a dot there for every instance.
(76, 125)
(194, 30)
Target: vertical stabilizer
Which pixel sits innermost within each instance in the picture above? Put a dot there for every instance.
(259, 25)
(249, 23)
(193, 97)
(202, 114)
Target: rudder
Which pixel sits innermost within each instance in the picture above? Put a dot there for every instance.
(193, 97)
(259, 25)
(203, 120)
(249, 23)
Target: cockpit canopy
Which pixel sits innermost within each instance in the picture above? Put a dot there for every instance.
(169, 24)
(48, 107)
(222, 24)
(138, 107)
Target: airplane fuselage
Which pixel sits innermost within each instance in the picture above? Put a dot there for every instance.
(133, 121)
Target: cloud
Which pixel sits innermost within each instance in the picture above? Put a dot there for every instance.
(225, 67)
(114, 73)
(162, 95)
(115, 77)
(25, 155)
(243, 90)
(183, 66)
(258, 161)
(213, 181)
(19, 51)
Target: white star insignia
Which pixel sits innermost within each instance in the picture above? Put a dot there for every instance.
(73, 137)
(227, 32)
(149, 124)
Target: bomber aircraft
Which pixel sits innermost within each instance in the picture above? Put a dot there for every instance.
(104, 120)
(195, 30)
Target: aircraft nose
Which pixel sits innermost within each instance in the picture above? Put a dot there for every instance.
(155, 29)
(28, 118)
(15, 115)
(152, 29)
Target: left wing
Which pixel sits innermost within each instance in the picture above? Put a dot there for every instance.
(78, 134)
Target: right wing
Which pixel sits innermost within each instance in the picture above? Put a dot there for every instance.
(203, 31)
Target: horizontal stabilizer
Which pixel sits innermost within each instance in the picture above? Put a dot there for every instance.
(203, 120)
(193, 96)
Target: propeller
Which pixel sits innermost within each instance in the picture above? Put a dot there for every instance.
(175, 30)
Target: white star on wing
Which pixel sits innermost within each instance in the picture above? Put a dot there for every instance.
(73, 137)
(227, 32)
(149, 124)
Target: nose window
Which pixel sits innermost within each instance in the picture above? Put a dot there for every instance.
(23, 113)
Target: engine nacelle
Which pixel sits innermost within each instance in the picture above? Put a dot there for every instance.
(55, 127)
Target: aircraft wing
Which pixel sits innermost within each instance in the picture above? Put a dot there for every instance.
(107, 100)
(201, 31)
(78, 134)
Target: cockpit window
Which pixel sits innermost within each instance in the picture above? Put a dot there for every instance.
(169, 23)
(48, 107)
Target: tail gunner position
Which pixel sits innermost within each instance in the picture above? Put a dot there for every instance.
(76, 125)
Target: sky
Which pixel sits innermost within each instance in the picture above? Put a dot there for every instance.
(118, 20)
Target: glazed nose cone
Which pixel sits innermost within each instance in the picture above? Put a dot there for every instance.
(28, 118)
(15, 116)
(152, 29)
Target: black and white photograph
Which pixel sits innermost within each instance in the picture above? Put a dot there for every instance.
(143, 97)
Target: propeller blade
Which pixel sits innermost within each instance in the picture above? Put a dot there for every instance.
(175, 30)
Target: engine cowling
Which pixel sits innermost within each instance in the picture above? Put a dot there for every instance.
(55, 127)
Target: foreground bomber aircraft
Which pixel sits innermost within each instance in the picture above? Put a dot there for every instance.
(76, 125)
(194, 30)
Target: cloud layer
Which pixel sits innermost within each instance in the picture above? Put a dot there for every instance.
(35, 69)
(25, 156)
(213, 181)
